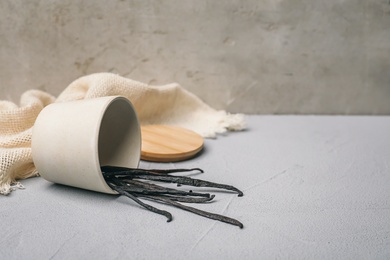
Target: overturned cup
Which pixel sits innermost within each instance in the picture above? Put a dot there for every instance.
(71, 141)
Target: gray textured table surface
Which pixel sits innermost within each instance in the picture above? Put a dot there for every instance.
(315, 187)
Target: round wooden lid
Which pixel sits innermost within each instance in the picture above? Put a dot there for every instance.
(162, 143)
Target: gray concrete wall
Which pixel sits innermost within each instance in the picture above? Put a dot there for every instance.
(268, 56)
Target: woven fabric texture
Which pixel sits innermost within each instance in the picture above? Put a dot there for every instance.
(168, 104)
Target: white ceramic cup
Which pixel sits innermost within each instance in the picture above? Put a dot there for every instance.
(72, 140)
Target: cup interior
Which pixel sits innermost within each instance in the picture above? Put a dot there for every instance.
(119, 138)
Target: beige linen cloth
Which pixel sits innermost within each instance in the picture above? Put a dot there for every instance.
(168, 104)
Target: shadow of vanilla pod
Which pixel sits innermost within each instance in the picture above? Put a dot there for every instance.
(140, 184)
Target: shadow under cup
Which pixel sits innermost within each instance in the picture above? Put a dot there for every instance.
(72, 140)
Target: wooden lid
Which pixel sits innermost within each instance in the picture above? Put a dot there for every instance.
(162, 143)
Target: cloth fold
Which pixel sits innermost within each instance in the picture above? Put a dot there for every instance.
(167, 104)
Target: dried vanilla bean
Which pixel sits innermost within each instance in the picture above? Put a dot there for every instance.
(136, 184)
(189, 181)
(152, 189)
(198, 211)
(117, 187)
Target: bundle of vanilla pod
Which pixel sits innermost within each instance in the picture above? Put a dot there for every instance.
(140, 184)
